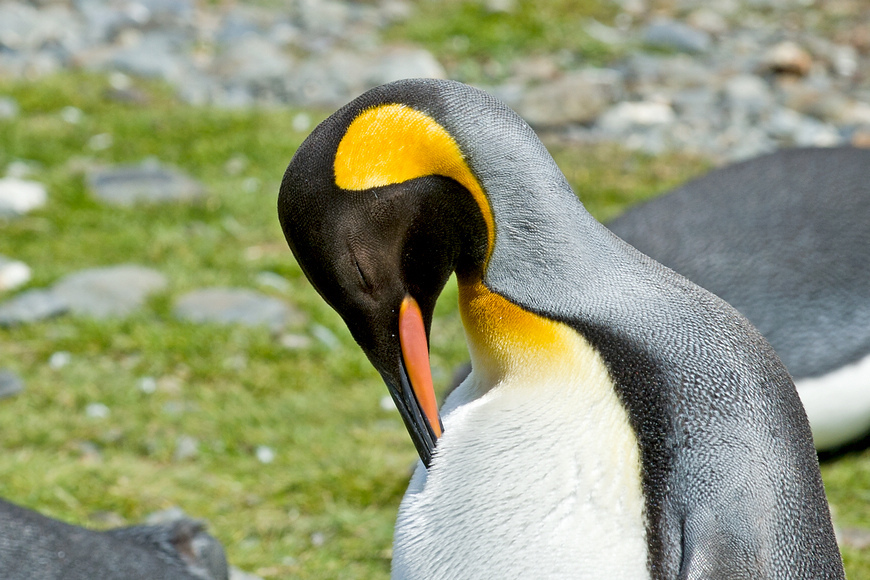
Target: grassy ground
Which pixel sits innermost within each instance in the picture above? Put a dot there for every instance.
(324, 508)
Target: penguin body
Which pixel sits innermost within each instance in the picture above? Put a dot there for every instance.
(619, 421)
(785, 239)
(35, 547)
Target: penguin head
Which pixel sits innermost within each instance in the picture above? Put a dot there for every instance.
(379, 209)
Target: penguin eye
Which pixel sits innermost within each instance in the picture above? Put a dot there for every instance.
(367, 286)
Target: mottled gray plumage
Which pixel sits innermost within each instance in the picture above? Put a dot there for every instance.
(732, 480)
(785, 239)
(34, 547)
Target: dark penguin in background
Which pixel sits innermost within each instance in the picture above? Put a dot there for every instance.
(619, 421)
(785, 239)
(34, 547)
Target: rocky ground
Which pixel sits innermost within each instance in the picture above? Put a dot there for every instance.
(726, 78)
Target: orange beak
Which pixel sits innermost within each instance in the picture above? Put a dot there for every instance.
(415, 353)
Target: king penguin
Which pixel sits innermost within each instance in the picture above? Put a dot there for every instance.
(785, 239)
(619, 421)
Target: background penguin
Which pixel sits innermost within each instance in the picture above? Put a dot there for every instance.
(34, 547)
(619, 421)
(785, 239)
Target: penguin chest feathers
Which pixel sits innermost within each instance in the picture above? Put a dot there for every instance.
(538, 472)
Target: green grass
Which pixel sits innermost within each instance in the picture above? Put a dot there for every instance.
(342, 462)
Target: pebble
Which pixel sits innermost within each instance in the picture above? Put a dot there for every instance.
(20, 196)
(265, 454)
(672, 35)
(186, 447)
(789, 58)
(10, 383)
(31, 306)
(113, 291)
(97, 411)
(8, 108)
(149, 182)
(59, 359)
(13, 274)
(236, 306)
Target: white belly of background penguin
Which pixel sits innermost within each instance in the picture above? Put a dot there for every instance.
(619, 421)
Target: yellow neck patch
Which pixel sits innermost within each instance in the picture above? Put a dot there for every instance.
(507, 340)
(394, 143)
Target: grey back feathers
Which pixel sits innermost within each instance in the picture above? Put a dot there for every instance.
(730, 474)
(785, 239)
(34, 547)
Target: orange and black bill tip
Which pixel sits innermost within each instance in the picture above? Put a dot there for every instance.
(417, 393)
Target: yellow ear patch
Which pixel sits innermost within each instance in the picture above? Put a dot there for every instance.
(394, 143)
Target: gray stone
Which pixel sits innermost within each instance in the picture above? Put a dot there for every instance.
(577, 97)
(19, 196)
(31, 306)
(107, 292)
(252, 60)
(672, 35)
(404, 63)
(8, 108)
(787, 57)
(149, 182)
(237, 574)
(13, 274)
(630, 116)
(235, 306)
(748, 94)
(156, 55)
(10, 383)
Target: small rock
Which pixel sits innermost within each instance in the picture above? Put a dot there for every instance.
(295, 341)
(575, 98)
(267, 279)
(8, 108)
(237, 574)
(318, 539)
(405, 63)
(788, 58)
(149, 182)
(672, 35)
(325, 336)
(10, 383)
(31, 306)
(147, 385)
(19, 196)
(186, 447)
(861, 138)
(236, 305)
(856, 538)
(112, 291)
(97, 411)
(166, 516)
(265, 454)
(748, 94)
(626, 116)
(13, 274)
(72, 115)
(387, 403)
(708, 20)
(101, 141)
(59, 359)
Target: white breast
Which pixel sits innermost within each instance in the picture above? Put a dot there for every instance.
(528, 482)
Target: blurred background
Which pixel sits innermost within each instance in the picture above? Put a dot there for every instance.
(160, 348)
